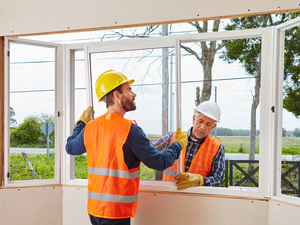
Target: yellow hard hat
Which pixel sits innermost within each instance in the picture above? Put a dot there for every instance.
(108, 81)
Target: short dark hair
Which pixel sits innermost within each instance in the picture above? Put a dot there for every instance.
(109, 99)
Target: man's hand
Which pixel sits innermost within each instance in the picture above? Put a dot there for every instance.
(181, 138)
(86, 116)
(185, 180)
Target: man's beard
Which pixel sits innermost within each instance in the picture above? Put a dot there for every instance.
(127, 104)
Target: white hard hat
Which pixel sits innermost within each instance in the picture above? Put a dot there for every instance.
(210, 109)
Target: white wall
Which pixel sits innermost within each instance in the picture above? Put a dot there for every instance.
(283, 213)
(36, 16)
(66, 205)
(156, 208)
(75, 206)
(31, 206)
(177, 209)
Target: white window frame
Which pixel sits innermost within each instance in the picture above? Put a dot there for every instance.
(279, 44)
(58, 110)
(266, 116)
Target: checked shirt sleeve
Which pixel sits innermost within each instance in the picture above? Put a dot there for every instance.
(216, 174)
(162, 143)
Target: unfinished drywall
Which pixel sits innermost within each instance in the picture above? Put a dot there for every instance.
(35, 16)
(176, 209)
(283, 213)
(75, 206)
(34, 205)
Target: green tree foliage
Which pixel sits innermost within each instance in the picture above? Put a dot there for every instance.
(296, 132)
(29, 133)
(247, 52)
(291, 101)
(12, 114)
(284, 132)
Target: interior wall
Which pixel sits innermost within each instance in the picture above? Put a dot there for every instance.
(34, 205)
(75, 206)
(35, 16)
(177, 209)
(66, 205)
(283, 213)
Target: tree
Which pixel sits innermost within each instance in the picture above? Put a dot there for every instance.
(284, 132)
(291, 101)
(206, 57)
(247, 52)
(29, 132)
(296, 132)
(12, 114)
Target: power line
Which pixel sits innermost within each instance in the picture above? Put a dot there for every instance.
(141, 85)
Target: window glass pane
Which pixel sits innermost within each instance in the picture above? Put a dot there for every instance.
(32, 107)
(223, 79)
(290, 164)
(80, 105)
(145, 66)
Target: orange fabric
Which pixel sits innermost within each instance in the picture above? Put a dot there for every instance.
(201, 163)
(104, 138)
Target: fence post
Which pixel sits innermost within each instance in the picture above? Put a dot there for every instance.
(29, 165)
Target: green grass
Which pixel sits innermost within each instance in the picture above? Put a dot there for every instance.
(45, 168)
(233, 144)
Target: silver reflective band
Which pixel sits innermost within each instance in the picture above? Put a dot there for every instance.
(114, 173)
(170, 172)
(112, 198)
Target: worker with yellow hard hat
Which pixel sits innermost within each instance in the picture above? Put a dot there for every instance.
(203, 160)
(115, 148)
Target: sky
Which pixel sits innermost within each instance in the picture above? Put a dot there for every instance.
(234, 87)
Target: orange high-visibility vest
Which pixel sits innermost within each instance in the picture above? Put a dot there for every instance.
(112, 187)
(201, 163)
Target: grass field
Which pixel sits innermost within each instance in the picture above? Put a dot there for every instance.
(45, 168)
(240, 144)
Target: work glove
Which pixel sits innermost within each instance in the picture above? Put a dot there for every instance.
(181, 138)
(86, 116)
(185, 180)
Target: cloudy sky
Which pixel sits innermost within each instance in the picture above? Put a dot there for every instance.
(234, 87)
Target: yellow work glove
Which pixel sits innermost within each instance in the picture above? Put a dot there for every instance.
(181, 138)
(185, 180)
(86, 116)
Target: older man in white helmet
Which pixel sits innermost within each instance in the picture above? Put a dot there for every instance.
(203, 160)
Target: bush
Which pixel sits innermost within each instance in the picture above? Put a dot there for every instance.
(29, 132)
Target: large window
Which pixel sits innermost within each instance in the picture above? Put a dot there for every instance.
(232, 87)
(170, 74)
(145, 67)
(287, 120)
(216, 77)
(32, 119)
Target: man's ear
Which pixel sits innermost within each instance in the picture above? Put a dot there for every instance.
(117, 95)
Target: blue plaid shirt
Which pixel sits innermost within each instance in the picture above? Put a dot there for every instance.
(216, 174)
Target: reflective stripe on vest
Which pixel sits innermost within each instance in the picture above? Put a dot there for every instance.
(112, 188)
(114, 172)
(201, 162)
(112, 198)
